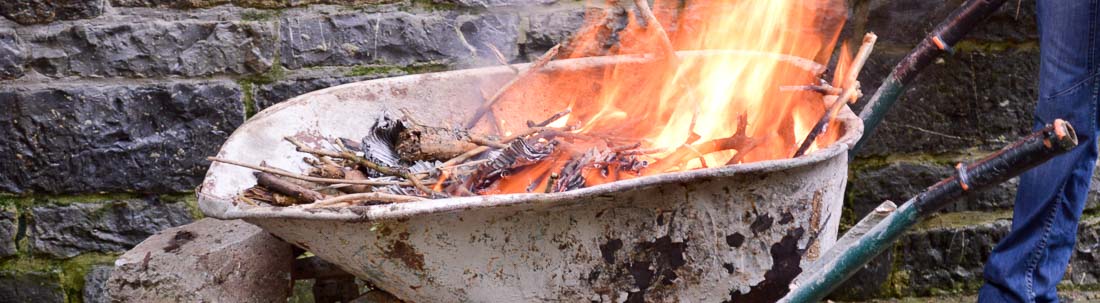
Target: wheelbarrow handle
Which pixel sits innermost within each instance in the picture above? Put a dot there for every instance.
(826, 274)
(938, 42)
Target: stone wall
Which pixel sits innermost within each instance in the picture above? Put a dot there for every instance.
(110, 106)
(961, 108)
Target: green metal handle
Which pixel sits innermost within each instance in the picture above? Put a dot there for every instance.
(1011, 161)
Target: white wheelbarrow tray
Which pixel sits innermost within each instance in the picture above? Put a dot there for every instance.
(737, 232)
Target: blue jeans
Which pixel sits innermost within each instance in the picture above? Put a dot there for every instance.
(1029, 263)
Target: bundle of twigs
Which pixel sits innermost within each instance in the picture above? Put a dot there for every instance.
(403, 160)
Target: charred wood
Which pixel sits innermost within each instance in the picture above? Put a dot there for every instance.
(278, 185)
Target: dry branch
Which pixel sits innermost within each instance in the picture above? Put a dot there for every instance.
(555, 117)
(740, 141)
(651, 22)
(274, 183)
(500, 57)
(386, 170)
(488, 104)
(851, 94)
(418, 142)
(303, 177)
(375, 196)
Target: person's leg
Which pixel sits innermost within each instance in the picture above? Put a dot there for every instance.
(1028, 263)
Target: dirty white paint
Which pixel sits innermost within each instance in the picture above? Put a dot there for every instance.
(704, 235)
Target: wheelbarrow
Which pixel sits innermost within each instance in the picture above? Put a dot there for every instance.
(739, 232)
(744, 233)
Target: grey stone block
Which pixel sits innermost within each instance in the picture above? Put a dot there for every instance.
(395, 38)
(152, 49)
(1083, 269)
(207, 261)
(95, 138)
(9, 225)
(46, 11)
(13, 55)
(899, 181)
(30, 287)
(95, 284)
(948, 254)
(180, 4)
(970, 100)
(63, 231)
(190, 4)
(266, 95)
(936, 258)
(544, 30)
(905, 23)
(496, 3)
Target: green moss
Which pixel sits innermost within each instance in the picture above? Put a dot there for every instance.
(73, 272)
(963, 219)
(302, 293)
(69, 273)
(1067, 286)
(865, 163)
(427, 67)
(261, 14)
(364, 70)
(897, 284)
(247, 99)
(985, 46)
(389, 70)
(1090, 213)
(434, 5)
(189, 199)
(275, 73)
(22, 202)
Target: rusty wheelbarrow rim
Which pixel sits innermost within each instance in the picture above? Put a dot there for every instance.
(226, 208)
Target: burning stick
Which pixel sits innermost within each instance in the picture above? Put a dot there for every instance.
(740, 142)
(488, 105)
(824, 89)
(553, 118)
(652, 23)
(849, 95)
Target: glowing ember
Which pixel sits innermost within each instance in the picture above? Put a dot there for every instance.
(687, 112)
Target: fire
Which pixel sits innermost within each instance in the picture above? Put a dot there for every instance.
(683, 109)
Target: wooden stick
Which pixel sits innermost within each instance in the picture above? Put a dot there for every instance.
(652, 23)
(850, 95)
(857, 64)
(488, 105)
(386, 170)
(303, 177)
(739, 141)
(285, 187)
(500, 57)
(824, 89)
(483, 141)
(553, 118)
(348, 155)
(375, 196)
(465, 156)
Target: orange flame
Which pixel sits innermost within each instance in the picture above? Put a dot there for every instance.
(675, 102)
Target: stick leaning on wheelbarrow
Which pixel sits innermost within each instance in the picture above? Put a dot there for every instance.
(838, 264)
